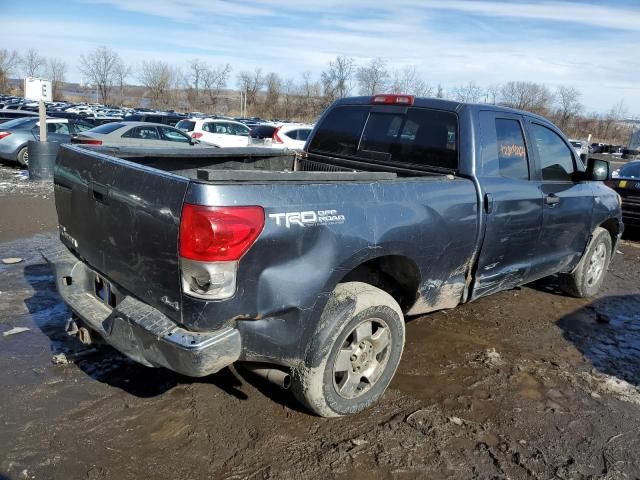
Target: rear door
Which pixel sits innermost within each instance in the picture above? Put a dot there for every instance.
(512, 203)
(568, 204)
(122, 219)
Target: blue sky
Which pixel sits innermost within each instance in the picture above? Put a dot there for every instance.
(593, 46)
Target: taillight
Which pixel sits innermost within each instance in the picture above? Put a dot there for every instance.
(394, 99)
(4, 135)
(212, 241)
(89, 141)
(275, 138)
(196, 135)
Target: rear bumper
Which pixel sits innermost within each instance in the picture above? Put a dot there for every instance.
(138, 330)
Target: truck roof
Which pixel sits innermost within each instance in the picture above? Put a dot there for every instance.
(440, 104)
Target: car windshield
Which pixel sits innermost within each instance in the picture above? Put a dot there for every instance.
(107, 128)
(186, 125)
(631, 170)
(18, 123)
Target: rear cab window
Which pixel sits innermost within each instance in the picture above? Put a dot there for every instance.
(512, 151)
(421, 138)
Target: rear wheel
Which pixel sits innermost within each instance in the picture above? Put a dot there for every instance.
(23, 157)
(587, 278)
(352, 361)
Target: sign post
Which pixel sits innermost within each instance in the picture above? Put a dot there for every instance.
(39, 90)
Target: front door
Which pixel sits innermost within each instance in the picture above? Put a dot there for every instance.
(568, 204)
(512, 205)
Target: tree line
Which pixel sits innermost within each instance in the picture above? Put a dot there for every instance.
(202, 87)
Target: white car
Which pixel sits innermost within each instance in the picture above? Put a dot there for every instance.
(218, 132)
(291, 136)
(288, 136)
(80, 109)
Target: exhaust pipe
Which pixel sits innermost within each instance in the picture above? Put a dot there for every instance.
(274, 375)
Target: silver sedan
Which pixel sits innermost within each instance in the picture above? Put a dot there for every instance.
(136, 134)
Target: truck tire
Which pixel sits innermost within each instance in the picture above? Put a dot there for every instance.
(586, 279)
(23, 157)
(354, 354)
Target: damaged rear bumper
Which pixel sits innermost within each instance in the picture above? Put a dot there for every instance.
(138, 330)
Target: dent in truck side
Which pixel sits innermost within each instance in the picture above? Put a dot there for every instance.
(289, 273)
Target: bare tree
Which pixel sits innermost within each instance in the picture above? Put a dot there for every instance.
(336, 81)
(194, 82)
(309, 95)
(569, 106)
(469, 93)
(407, 80)
(529, 96)
(160, 78)
(56, 72)
(99, 67)
(493, 92)
(251, 83)
(214, 80)
(273, 93)
(33, 64)
(122, 71)
(373, 77)
(9, 60)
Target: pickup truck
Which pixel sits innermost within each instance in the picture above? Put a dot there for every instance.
(306, 268)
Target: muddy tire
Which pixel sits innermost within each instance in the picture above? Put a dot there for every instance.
(354, 353)
(23, 157)
(586, 279)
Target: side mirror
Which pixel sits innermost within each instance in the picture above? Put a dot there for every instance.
(598, 170)
(194, 141)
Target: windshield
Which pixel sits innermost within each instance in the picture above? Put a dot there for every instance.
(107, 128)
(18, 123)
(630, 170)
(420, 137)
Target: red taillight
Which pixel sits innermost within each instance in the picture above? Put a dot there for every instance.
(275, 138)
(89, 141)
(4, 135)
(218, 234)
(394, 99)
(196, 135)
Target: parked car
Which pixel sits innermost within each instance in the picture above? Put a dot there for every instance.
(397, 206)
(135, 134)
(165, 119)
(8, 114)
(15, 135)
(581, 148)
(221, 133)
(262, 135)
(291, 136)
(626, 181)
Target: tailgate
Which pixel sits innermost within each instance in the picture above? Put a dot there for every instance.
(123, 220)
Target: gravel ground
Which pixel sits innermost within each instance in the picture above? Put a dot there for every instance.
(527, 383)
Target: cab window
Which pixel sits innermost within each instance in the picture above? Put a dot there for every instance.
(512, 151)
(556, 159)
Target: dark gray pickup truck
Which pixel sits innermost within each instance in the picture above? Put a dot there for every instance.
(397, 206)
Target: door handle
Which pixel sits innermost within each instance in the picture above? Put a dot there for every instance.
(100, 193)
(488, 202)
(552, 200)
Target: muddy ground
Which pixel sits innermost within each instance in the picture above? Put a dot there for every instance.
(524, 384)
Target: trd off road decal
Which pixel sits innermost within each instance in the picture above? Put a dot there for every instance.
(308, 219)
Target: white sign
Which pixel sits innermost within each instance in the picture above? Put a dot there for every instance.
(37, 89)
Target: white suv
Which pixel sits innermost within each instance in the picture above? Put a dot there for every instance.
(215, 131)
(291, 136)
